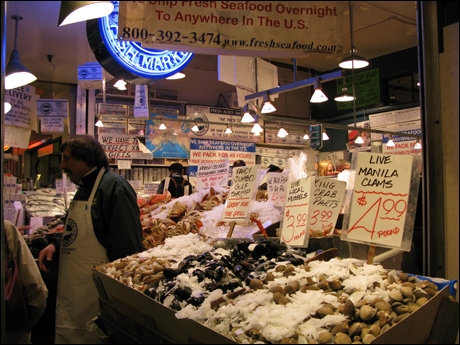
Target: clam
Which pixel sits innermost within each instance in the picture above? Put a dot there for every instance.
(277, 289)
(269, 277)
(280, 298)
(323, 311)
(292, 287)
(280, 268)
(342, 338)
(256, 284)
(340, 328)
(421, 301)
(324, 337)
(323, 284)
(418, 293)
(402, 309)
(382, 305)
(384, 318)
(349, 308)
(403, 276)
(355, 329)
(375, 330)
(368, 338)
(335, 284)
(376, 300)
(361, 303)
(401, 317)
(407, 291)
(408, 284)
(396, 295)
(367, 313)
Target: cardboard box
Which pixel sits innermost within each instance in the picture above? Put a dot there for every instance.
(415, 329)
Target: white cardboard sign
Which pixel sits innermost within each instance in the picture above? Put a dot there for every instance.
(380, 199)
(276, 187)
(327, 199)
(241, 195)
(211, 175)
(295, 230)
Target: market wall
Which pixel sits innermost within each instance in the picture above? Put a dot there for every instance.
(450, 130)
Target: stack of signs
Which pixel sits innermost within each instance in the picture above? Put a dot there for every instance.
(384, 200)
(52, 113)
(242, 194)
(212, 175)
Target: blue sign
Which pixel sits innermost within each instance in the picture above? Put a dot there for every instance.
(130, 55)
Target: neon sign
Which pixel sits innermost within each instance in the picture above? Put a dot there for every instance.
(128, 60)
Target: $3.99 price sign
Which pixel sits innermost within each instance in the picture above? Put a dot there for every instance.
(295, 230)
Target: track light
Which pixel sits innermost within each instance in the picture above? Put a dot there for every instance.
(99, 123)
(390, 142)
(178, 75)
(282, 133)
(256, 128)
(305, 136)
(359, 140)
(16, 75)
(120, 84)
(353, 59)
(162, 126)
(195, 127)
(268, 107)
(318, 96)
(228, 130)
(6, 107)
(80, 11)
(247, 117)
(344, 96)
(418, 145)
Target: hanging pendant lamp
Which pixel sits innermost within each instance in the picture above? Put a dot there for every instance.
(80, 11)
(353, 58)
(16, 75)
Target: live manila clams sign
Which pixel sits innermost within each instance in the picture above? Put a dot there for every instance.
(255, 28)
(384, 200)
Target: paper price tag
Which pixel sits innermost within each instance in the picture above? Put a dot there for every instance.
(124, 164)
(151, 188)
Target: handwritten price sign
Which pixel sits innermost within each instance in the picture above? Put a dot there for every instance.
(295, 220)
(327, 199)
(212, 175)
(276, 187)
(380, 200)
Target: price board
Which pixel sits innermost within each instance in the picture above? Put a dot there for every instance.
(212, 175)
(384, 200)
(327, 200)
(276, 187)
(294, 229)
(242, 194)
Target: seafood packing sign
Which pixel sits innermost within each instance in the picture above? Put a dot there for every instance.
(212, 175)
(294, 231)
(276, 187)
(242, 194)
(384, 200)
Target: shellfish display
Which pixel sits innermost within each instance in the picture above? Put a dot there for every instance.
(266, 292)
(200, 212)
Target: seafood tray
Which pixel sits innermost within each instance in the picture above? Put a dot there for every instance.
(121, 292)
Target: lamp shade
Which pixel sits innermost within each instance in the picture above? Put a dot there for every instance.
(390, 142)
(359, 61)
(318, 96)
(80, 11)
(99, 123)
(178, 75)
(16, 74)
(228, 130)
(359, 140)
(268, 107)
(344, 96)
(256, 128)
(6, 107)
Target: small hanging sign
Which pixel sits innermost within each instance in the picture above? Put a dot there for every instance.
(141, 101)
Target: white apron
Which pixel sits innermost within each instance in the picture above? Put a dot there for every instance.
(77, 296)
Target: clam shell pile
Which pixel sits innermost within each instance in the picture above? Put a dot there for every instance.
(265, 293)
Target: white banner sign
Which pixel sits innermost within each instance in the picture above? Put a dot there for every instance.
(52, 124)
(17, 137)
(241, 195)
(141, 101)
(230, 117)
(151, 188)
(23, 111)
(294, 230)
(380, 199)
(70, 186)
(327, 199)
(276, 187)
(268, 28)
(123, 146)
(52, 108)
(211, 175)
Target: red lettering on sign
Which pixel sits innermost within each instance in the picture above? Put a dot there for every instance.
(389, 232)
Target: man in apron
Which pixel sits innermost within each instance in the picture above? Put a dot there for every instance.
(102, 225)
(176, 184)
